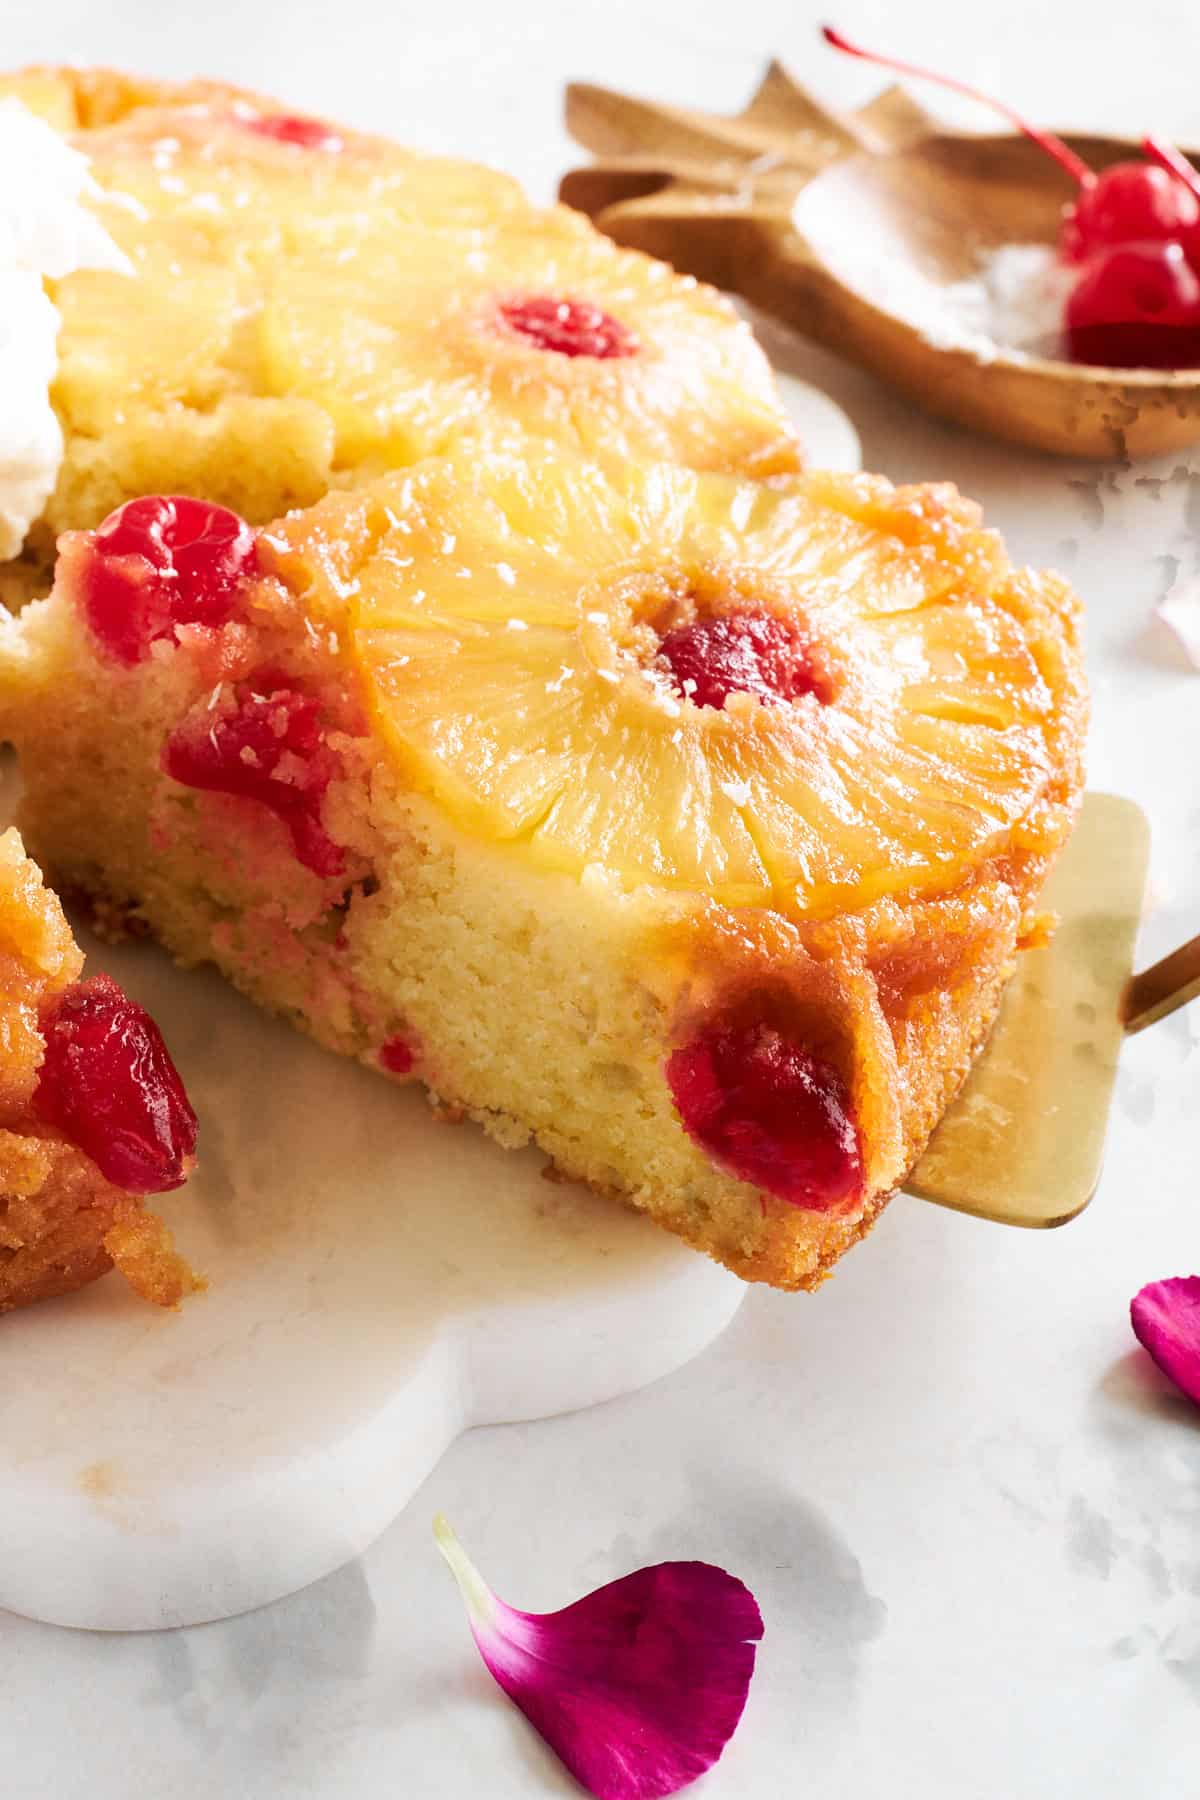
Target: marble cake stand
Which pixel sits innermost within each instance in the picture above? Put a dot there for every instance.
(379, 1284)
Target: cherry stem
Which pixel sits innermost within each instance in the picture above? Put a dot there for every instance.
(1174, 161)
(1062, 153)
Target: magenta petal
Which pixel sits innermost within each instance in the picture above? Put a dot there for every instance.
(1166, 1320)
(637, 1687)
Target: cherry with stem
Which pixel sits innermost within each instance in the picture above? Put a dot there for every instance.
(1054, 147)
(1129, 202)
(1134, 230)
(1174, 161)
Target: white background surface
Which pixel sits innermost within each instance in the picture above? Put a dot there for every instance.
(971, 1516)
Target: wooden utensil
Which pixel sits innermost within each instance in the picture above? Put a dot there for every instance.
(1024, 1142)
(850, 228)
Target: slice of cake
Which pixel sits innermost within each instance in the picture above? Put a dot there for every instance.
(306, 307)
(93, 1115)
(686, 825)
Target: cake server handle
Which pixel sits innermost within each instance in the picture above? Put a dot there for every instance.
(1162, 988)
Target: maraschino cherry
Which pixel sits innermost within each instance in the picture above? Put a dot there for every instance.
(1173, 162)
(293, 128)
(158, 563)
(1128, 203)
(1136, 307)
(771, 1112)
(1134, 228)
(568, 327)
(739, 653)
(108, 1084)
(267, 745)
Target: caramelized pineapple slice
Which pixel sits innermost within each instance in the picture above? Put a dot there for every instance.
(432, 343)
(538, 640)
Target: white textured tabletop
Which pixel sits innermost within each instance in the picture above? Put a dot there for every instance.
(970, 1513)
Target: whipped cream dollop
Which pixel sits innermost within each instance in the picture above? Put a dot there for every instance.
(45, 231)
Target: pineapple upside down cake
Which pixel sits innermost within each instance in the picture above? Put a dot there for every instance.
(93, 1115)
(684, 824)
(294, 307)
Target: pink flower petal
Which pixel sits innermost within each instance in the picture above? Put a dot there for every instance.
(1166, 1320)
(637, 1687)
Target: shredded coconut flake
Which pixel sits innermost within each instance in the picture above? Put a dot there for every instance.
(1016, 300)
(1012, 303)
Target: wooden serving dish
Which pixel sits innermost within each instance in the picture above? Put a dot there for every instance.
(838, 224)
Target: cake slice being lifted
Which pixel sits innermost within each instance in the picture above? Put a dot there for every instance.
(92, 1113)
(685, 825)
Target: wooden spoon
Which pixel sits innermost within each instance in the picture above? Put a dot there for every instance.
(850, 229)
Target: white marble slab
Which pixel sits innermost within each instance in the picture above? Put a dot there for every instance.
(379, 1283)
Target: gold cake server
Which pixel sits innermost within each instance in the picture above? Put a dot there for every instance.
(1024, 1141)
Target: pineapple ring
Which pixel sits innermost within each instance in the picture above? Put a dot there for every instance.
(499, 618)
(311, 309)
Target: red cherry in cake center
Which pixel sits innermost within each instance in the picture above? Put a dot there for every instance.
(397, 1056)
(159, 563)
(568, 327)
(771, 1113)
(108, 1084)
(292, 128)
(269, 747)
(739, 653)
